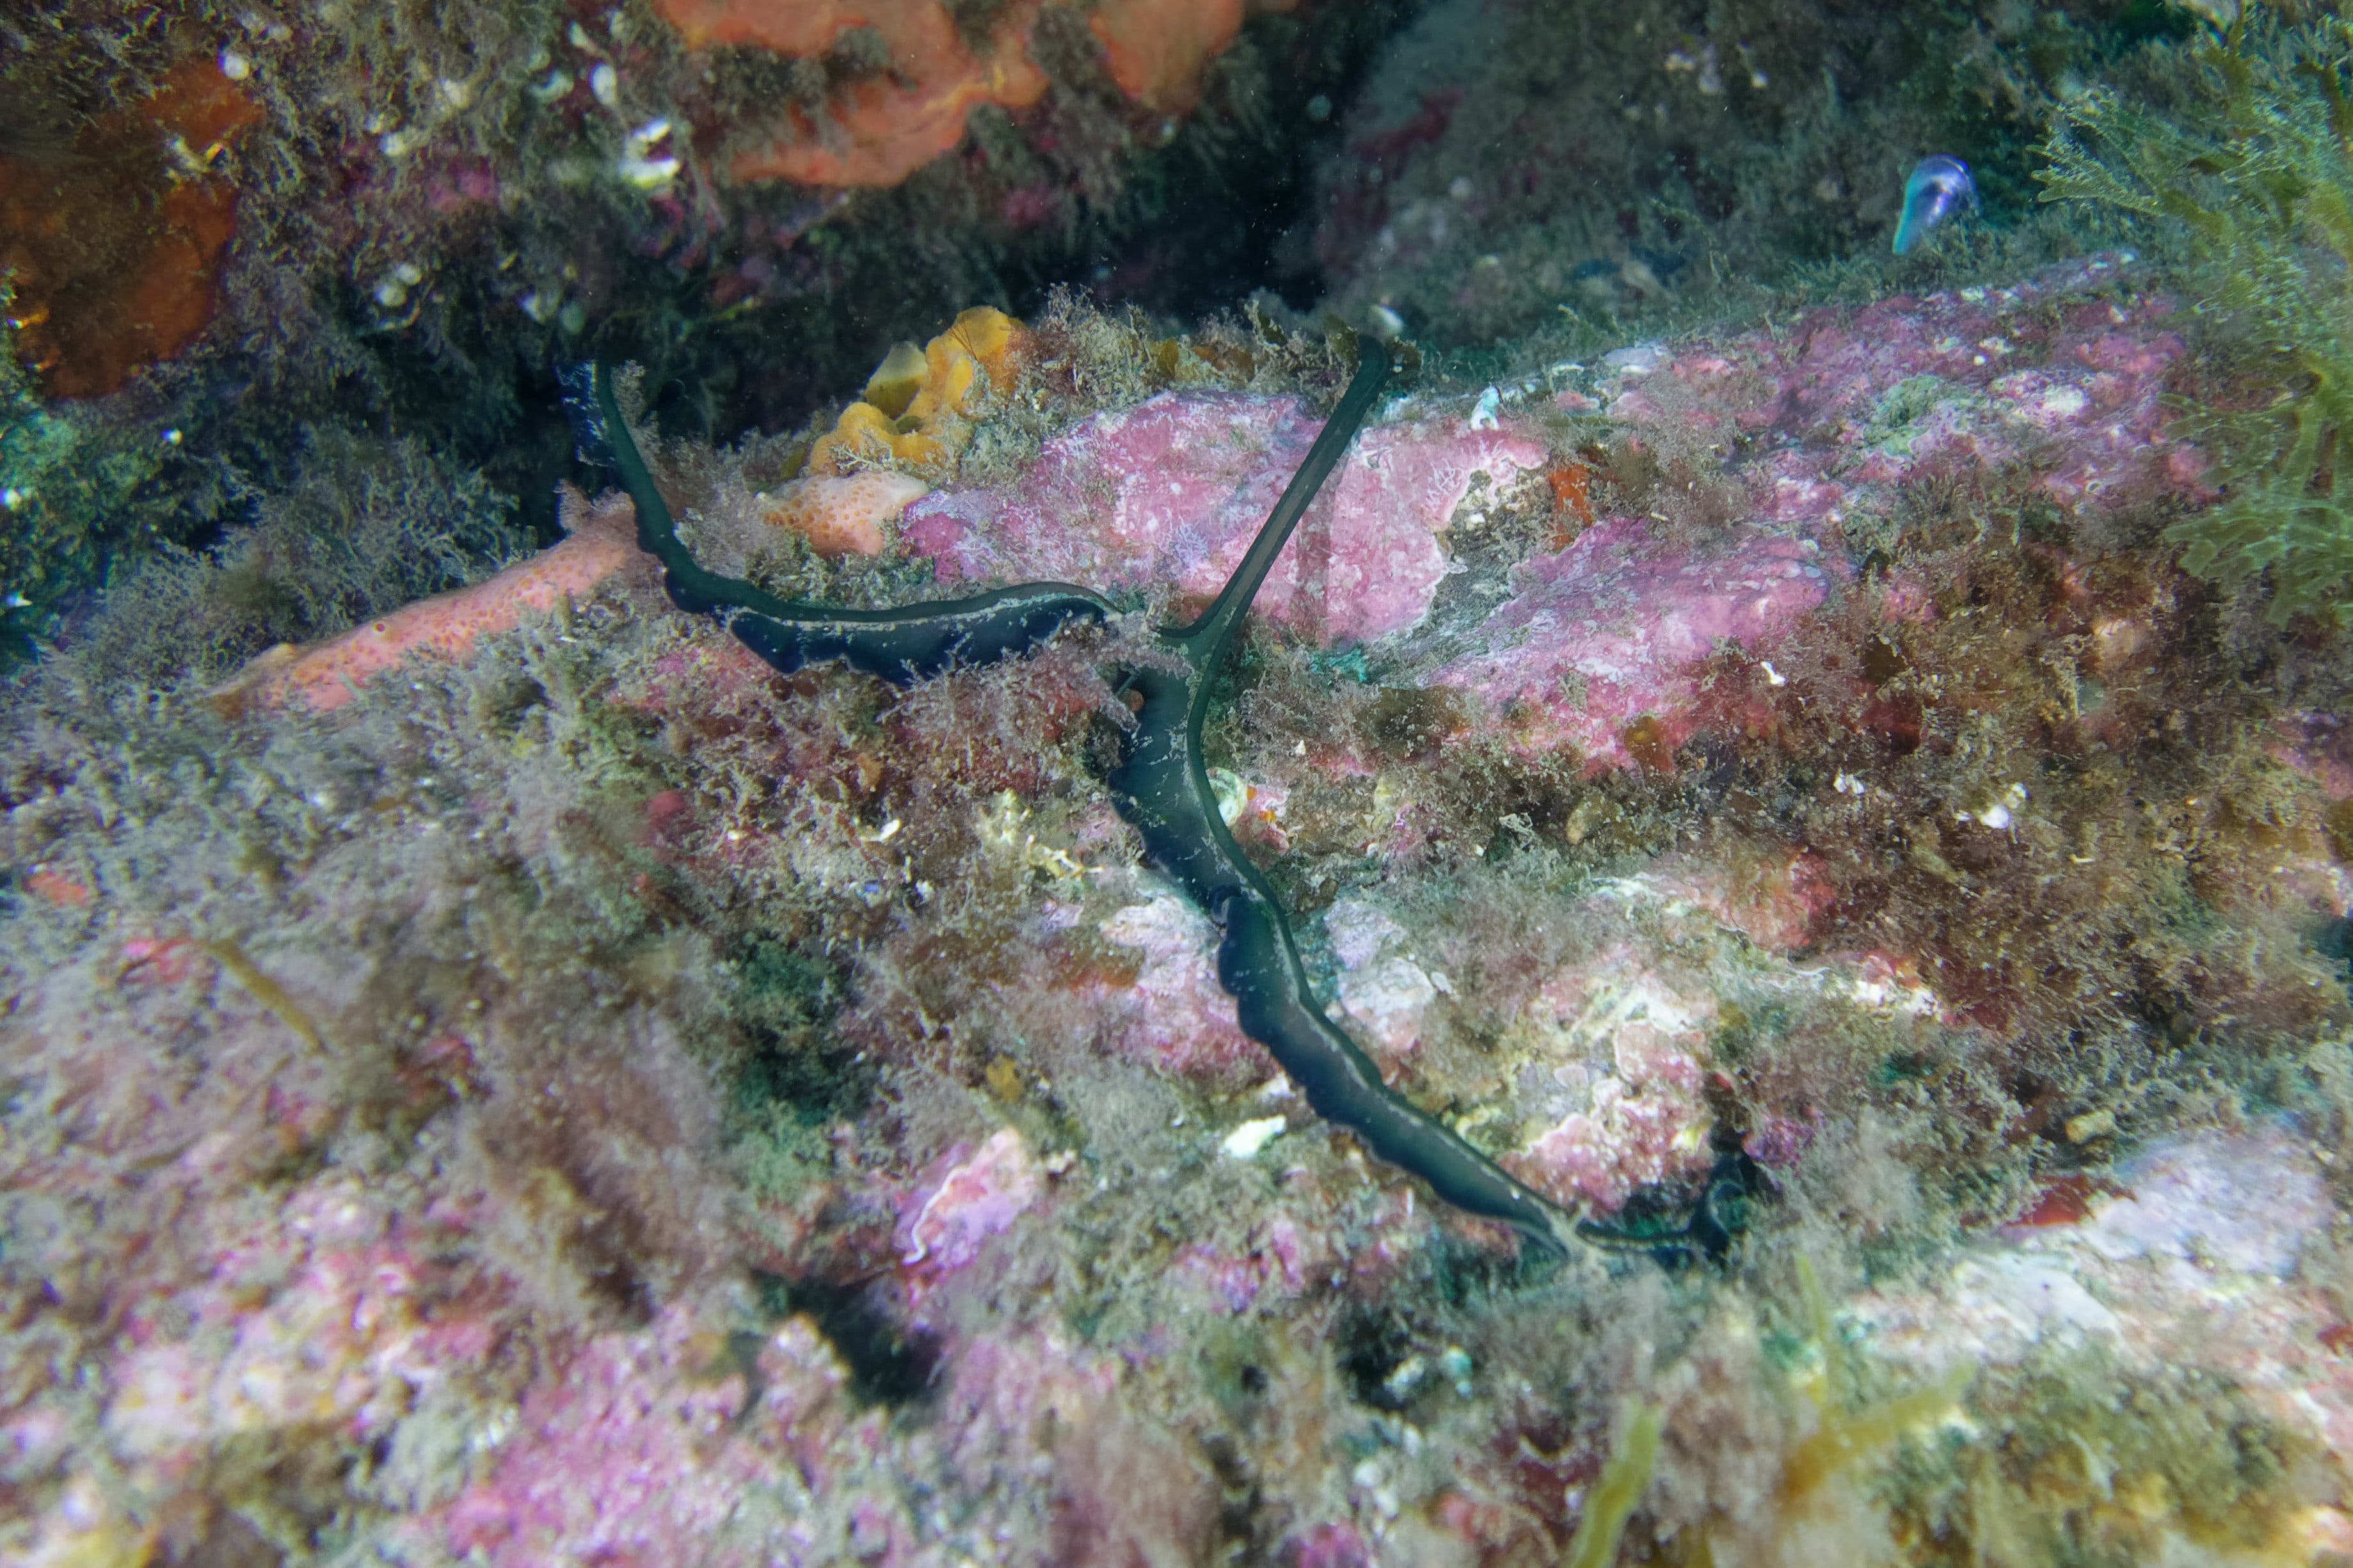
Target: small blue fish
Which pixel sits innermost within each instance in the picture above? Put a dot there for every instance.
(1939, 187)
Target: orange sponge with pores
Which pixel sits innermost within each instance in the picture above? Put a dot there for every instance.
(323, 676)
(842, 517)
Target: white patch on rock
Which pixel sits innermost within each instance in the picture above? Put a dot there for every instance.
(1360, 931)
(1381, 989)
(2243, 1202)
(1244, 1142)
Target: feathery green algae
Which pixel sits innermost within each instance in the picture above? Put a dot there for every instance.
(2256, 167)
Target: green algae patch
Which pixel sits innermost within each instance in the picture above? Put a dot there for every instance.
(76, 494)
(1618, 1492)
(2253, 166)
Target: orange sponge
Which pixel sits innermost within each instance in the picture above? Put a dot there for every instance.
(326, 675)
(843, 516)
(877, 130)
(1154, 49)
(787, 27)
(115, 245)
(868, 431)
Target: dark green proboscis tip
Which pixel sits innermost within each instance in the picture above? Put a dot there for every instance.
(1159, 785)
(1675, 1233)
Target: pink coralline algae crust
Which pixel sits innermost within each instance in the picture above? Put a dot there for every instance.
(1636, 1045)
(677, 1444)
(1329, 1546)
(2035, 384)
(1612, 629)
(1774, 897)
(2319, 746)
(1169, 493)
(642, 1443)
(339, 1336)
(1382, 990)
(1280, 1256)
(224, 1304)
(1635, 1135)
(2036, 373)
(1179, 1019)
(232, 1307)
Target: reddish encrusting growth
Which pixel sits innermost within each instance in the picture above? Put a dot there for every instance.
(876, 127)
(2066, 1199)
(115, 246)
(1571, 483)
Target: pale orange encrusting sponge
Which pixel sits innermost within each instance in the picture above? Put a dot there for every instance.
(843, 516)
(875, 129)
(1156, 49)
(326, 675)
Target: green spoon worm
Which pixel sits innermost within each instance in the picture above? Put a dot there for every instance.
(1159, 783)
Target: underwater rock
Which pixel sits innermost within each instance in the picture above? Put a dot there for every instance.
(640, 1441)
(1504, 162)
(975, 1199)
(342, 1339)
(1181, 1021)
(1599, 645)
(2034, 373)
(1169, 493)
(2186, 1258)
(1382, 989)
(619, 1102)
(1632, 1046)
(1774, 899)
(1606, 635)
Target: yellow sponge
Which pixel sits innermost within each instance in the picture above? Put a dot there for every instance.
(917, 401)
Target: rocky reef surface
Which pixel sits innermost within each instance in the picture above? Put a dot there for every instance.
(225, 230)
(523, 1082)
